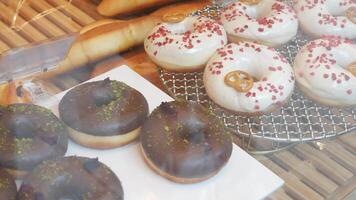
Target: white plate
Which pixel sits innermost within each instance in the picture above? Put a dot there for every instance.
(242, 178)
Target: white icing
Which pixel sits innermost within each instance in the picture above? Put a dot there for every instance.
(326, 17)
(186, 45)
(320, 68)
(275, 75)
(270, 22)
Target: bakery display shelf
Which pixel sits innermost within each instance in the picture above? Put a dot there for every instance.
(299, 120)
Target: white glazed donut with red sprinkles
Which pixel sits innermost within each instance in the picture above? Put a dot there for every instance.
(185, 46)
(321, 69)
(273, 78)
(269, 22)
(327, 17)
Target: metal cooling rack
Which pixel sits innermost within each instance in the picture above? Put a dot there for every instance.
(299, 120)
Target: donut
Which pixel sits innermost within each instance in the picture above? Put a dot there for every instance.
(184, 142)
(269, 22)
(184, 46)
(103, 114)
(29, 134)
(326, 71)
(8, 188)
(327, 17)
(248, 78)
(71, 178)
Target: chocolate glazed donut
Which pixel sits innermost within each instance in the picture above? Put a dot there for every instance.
(8, 188)
(103, 114)
(29, 134)
(75, 178)
(185, 142)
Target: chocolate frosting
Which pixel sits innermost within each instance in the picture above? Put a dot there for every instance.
(185, 140)
(30, 134)
(8, 188)
(103, 108)
(76, 178)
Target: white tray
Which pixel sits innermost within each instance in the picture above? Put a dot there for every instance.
(242, 178)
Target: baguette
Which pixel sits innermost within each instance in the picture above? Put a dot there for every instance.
(118, 7)
(185, 8)
(104, 39)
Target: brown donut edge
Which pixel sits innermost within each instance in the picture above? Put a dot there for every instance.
(103, 142)
(175, 178)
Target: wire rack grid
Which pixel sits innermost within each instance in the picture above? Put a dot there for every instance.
(299, 120)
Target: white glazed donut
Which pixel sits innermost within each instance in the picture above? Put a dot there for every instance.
(269, 22)
(326, 17)
(320, 69)
(185, 46)
(273, 87)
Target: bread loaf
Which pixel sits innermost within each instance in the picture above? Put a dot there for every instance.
(117, 7)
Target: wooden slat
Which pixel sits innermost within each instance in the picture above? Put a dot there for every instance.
(280, 194)
(58, 18)
(323, 163)
(42, 24)
(89, 8)
(293, 184)
(3, 46)
(349, 142)
(338, 153)
(306, 172)
(75, 13)
(342, 192)
(10, 37)
(28, 31)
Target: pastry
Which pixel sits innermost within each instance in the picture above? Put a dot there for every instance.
(327, 17)
(269, 22)
(186, 45)
(103, 114)
(14, 92)
(184, 142)
(325, 71)
(248, 78)
(29, 134)
(103, 39)
(119, 7)
(71, 178)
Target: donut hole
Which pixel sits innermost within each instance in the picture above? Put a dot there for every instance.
(192, 133)
(102, 97)
(21, 126)
(259, 11)
(181, 28)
